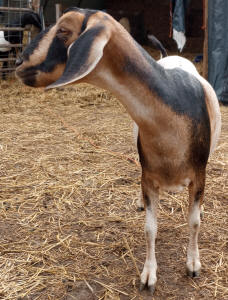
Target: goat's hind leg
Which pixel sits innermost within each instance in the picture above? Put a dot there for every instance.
(196, 195)
(140, 202)
(148, 276)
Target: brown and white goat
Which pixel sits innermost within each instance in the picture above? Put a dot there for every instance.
(175, 109)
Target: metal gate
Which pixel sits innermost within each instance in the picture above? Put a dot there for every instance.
(11, 12)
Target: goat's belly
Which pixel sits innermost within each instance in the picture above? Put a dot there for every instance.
(176, 188)
(173, 186)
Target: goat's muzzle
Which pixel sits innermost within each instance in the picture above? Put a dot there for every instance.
(27, 76)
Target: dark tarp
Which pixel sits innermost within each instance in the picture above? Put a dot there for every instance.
(217, 41)
(48, 7)
(179, 8)
(218, 47)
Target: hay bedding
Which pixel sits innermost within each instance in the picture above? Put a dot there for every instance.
(68, 189)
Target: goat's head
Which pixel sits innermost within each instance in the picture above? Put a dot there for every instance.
(67, 51)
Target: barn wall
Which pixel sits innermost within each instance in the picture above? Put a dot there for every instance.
(218, 48)
(49, 13)
(156, 16)
(151, 16)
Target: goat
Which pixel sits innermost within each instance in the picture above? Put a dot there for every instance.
(16, 37)
(175, 109)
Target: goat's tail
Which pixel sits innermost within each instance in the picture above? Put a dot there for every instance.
(157, 44)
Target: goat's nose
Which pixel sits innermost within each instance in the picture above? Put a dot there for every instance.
(19, 61)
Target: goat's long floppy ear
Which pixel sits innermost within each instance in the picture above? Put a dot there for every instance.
(83, 55)
(31, 18)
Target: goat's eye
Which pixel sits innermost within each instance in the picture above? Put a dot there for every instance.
(62, 30)
(63, 34)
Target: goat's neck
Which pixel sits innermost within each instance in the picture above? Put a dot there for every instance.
(131, 78)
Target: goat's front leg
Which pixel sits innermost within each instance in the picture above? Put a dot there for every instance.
(148, 276)
(140, 202)
(196, 194)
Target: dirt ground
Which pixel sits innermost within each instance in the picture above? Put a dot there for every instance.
(69, 228)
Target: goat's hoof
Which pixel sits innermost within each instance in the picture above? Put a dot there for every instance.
(193, 274)
(151, 288)
(201, 215)
(202, 212)
(140, 208)
(142, 286)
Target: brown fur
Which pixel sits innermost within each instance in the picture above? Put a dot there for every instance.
(41, 51)
(47, 78)
(158, 126)
(72, 23)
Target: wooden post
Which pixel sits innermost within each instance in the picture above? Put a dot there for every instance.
(36, 5)
(58, 11)
(205, 45)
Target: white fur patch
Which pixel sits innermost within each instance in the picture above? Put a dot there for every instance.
(150, 267)
(135, 132)
(180, 38)
(171, 62)
(3, 42)
(151, 224)
(193, 259)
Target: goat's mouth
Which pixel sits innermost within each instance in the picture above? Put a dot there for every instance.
(28, 77)
(23, 74)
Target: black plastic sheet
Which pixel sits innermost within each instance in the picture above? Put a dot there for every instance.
(179, 8)
(218, 47)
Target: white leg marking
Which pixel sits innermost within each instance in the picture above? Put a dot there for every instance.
(193, 259)
(150, 267)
